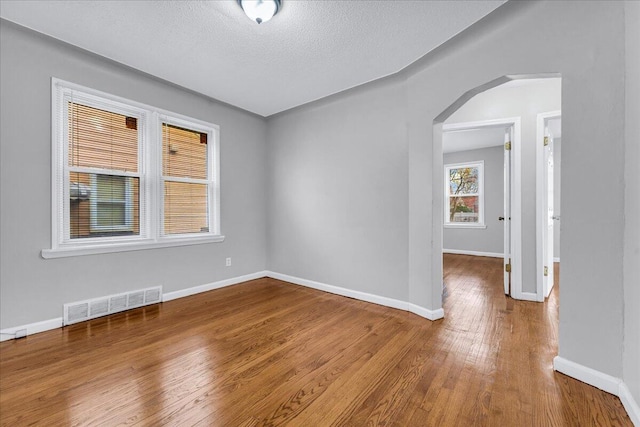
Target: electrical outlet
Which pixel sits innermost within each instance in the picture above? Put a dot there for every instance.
(228, 264)
(21, 333)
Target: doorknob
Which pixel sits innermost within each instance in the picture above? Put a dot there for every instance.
(500, 218)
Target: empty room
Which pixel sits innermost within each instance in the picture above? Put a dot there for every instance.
(320, 213)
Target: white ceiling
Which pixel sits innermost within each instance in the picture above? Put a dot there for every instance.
(309, 50)
(472, 139)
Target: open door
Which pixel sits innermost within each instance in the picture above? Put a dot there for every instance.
(506, 219)
(547, 208)
(548, 127)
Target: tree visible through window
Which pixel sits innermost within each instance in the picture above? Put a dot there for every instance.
(463, 193)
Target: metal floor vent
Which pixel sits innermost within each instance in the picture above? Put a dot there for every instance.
(80, 311)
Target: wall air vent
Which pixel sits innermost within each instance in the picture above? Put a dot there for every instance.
(90, 309)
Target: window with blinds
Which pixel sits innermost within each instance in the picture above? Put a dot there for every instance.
(104, 196)
(185, 176)
(129, 176)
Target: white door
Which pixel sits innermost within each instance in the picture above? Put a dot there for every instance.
(506, 218)
(548, 210)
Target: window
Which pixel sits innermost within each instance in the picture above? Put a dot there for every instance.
(184, 177)
(111, 206)
(128, 176)
(464, 201)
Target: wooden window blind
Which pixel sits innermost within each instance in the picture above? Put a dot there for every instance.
(129, 176)
(185, 173)
(104, 184)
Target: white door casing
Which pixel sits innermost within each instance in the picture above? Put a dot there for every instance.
(507, 210)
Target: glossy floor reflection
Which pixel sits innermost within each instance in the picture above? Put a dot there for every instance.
(267, 352)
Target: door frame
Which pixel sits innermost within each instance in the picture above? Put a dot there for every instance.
(515, 194)
(541, 192)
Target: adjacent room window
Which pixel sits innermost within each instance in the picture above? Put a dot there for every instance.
(464, 201)
(128, 176)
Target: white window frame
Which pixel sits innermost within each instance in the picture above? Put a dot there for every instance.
(447, 168)
(212, 180)
(149, 174)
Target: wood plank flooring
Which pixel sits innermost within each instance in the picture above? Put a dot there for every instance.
(269, 353)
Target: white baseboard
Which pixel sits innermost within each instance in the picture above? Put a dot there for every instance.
(602, 381)
(556, 259)
(527, 296)
(425, 312)
(363, 296)
(47, 325)
(630, 404)
(474, 253)
(31, 328)
(587, 375)
(168, 296)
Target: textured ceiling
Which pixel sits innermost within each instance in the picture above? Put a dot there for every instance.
(309, 50)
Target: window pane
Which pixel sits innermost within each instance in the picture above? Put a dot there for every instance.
(110, 187)
(110, 214)
(101, 139)
(464, 209)
(184, 153)
(103, 205)
(185, 208)
(463, 181)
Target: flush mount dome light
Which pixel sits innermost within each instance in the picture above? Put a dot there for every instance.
(260, 10)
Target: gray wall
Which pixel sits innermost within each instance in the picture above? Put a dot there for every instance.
(338, 192)
(632, 206)
(586, 45)
(525, 102)
(34, 289)
(490, 239)
(557, 191)
(364, 133)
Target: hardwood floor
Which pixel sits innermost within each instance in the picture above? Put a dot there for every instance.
(268, 353)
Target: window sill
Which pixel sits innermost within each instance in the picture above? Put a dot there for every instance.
(128, 246)
(462, 225)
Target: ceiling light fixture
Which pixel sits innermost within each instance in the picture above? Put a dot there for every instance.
(260, 10)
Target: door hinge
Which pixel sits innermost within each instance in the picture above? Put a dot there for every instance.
(507, 268)
(507, 145)
(546, 141)
(546, 270)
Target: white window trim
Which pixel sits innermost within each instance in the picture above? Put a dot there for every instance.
(212, 180)
(149, 172)
(473, 164)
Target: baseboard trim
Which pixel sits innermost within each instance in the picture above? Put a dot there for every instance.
(425, 312)
(31, 328)
(47, 325)
(556, 259)
(587, 375)
(602, 381)
(362, 296)
(527, 296)
(474, 253)
(630, 404)
(168, 296)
